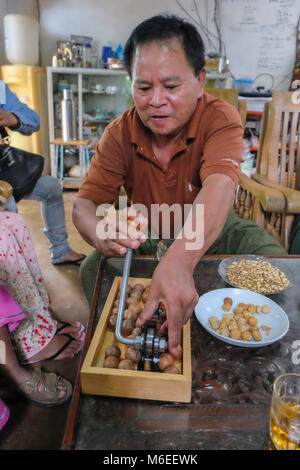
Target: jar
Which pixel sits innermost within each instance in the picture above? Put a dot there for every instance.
(86, 55)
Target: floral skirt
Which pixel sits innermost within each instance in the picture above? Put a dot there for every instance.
(21, 276)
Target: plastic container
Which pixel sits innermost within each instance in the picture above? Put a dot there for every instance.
(86, 55)
(244, 85)
(21, 37)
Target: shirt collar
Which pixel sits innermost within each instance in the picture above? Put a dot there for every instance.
(141, 135)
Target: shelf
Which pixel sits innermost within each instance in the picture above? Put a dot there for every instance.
(217, 76)
(86, 71)
(87, 97)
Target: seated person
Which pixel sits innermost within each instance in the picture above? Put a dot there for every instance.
(18, 117)
(44, 389)
(38, 336)
(176, 145)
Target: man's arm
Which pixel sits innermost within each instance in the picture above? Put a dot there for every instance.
(16, 115)
(172, 282)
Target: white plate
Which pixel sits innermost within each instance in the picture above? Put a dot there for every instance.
(222, 269)
(210, 304)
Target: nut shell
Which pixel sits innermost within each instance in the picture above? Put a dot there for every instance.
(113, 351)
(135, 308)
(126, 364)
(111, 362)
(171, 370)
(127, 327)
(112, 321)
(133, 355)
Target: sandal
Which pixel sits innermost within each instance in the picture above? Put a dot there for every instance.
(56, 354)
(49, 395)
(65, 324)
(76, 262)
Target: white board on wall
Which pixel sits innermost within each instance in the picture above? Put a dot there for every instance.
(260, 38)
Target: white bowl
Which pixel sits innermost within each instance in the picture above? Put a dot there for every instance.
(210, 304)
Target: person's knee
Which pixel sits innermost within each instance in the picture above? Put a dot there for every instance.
(50, 188)
(54, 187)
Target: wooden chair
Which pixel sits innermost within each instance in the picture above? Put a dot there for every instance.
(231, 95)
(271, 198)
(6, 191)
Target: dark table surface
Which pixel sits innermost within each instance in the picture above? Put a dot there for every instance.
(231, 386)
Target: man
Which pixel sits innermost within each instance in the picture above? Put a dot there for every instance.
(18, 117)
(176, 145)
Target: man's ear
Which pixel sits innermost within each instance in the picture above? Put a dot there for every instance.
(201, 80)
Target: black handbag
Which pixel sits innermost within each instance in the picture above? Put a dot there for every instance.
(19, 168)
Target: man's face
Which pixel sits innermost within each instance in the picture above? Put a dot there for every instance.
(165, 89)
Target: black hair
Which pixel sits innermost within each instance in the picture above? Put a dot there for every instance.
(163, 27)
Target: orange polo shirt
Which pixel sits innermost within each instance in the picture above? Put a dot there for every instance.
(212, 143)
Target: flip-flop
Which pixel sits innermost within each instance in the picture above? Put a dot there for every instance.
(49, 395)
(76, 262)
(65, 324)
(71, 339)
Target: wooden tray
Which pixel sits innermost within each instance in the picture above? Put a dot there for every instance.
(98, 380)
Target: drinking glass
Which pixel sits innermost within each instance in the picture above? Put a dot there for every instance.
(285, 412)
(162, 247)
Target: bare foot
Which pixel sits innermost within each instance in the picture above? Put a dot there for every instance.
(58, 341)
(72, 328)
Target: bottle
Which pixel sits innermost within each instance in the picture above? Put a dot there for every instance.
(86, 55)
(68, 116)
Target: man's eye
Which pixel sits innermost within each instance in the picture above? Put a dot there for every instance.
(171, 87)
(144, 88)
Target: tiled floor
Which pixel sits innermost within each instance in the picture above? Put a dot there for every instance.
(31, 427)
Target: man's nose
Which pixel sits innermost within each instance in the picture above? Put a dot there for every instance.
(158, 97)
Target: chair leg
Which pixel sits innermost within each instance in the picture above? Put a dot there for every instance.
(56, 160)
(87, 158)
(83, 160)
(62, 165)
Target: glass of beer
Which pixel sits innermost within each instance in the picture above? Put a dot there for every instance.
(285, 412)
(162, 248)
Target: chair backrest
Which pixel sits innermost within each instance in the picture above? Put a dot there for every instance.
(231, 95)
(279, 154)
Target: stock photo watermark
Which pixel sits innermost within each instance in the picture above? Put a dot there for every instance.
(186, 222)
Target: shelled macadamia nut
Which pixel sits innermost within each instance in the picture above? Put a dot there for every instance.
(165, 360)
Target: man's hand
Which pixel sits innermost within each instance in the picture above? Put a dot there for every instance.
(8, 119)
(172, 285)
(121, 230)
(111, 233)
